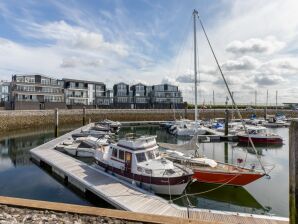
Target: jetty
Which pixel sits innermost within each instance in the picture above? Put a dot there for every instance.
(124, 195)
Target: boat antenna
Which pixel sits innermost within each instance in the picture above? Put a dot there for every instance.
(230, 93)
(195, 14)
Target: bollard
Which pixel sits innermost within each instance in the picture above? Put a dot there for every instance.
(84, 116)
(293, 171)
(56, 119)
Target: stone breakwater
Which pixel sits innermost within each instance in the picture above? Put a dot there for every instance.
(13, 215)
(16, 120)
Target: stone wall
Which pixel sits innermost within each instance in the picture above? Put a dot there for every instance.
(15, 120)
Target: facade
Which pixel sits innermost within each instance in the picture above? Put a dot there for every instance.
(166, 96)
(122, 96)
(80, 93)
(140, 96)
(4, 91)
(42, 92)
(36, 92)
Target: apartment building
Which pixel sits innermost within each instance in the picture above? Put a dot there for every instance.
(36, 92)
(80, 93)
(166, 96)
(4, 91)
(122, 96)
(141, 98)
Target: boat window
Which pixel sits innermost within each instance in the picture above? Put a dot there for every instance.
(169, 172)
(121, 155)
(150, 155)
(141, 157)
(157, 153)
(84, 145)
(114, 152)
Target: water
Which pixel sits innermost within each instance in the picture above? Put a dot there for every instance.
(19, 177)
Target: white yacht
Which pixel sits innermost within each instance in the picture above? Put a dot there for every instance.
(82, 146)
(138, 161)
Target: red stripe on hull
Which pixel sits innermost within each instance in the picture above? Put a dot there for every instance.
(146, 179)
(238, 179)
(260, 140)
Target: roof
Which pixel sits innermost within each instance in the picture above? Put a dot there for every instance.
(35, 74)
(85, 81)
(119, 83)
(139, 84)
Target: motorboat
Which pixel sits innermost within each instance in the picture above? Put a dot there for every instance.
(187, 128)
(137, 160)
(114, 126)
(82, 146)
(259, 134)
(211, 171)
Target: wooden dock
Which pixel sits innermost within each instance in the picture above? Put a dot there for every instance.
(126, 196)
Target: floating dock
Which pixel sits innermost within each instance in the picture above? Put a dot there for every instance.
(126, 196)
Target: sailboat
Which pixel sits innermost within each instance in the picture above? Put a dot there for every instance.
(208, 170)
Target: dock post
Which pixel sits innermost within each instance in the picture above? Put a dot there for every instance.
(185, 110)
(56, 118)
(84, 116)
(226, 152)
(265, 114)
(227, 123)
(293, 171)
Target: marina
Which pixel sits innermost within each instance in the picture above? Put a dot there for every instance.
(157, 121)
(117, 192)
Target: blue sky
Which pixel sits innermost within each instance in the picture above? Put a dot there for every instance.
(150, 41)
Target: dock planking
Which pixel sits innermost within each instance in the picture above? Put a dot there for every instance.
(126, 196)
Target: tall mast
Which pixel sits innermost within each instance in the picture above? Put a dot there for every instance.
(195, 13)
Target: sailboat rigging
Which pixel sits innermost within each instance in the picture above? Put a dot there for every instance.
(207, 170)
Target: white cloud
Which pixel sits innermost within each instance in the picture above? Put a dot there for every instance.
(75, 62)
(74, 37)
(268, 79)
(267, 45)
(243, 63)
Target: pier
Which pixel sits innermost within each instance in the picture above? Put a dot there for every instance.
(126, 196)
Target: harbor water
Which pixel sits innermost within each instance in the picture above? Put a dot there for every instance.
(19, 177)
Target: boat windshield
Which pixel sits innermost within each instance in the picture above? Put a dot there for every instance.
(141, 157)
(150, 155)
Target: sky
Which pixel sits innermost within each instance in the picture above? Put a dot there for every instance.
(150, 41)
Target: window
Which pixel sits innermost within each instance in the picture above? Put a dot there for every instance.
(150, 155)
(141, 157)
(114, 152)
(121, 155)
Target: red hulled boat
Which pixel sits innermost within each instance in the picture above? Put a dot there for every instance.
(259, 135)
(209, 171)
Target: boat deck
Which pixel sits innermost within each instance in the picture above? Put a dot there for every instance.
(126, 196)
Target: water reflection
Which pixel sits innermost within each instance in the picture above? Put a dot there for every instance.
(228, 198)
(20, 178)
(253, 198)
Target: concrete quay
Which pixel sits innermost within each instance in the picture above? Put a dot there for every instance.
(15, 120)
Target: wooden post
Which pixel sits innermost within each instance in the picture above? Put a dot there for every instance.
(227, 118)
(56, 118)
(265, 113)
(227, 122)
(185, 110)
(226, 152)
(293, 171)
(84, 116)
